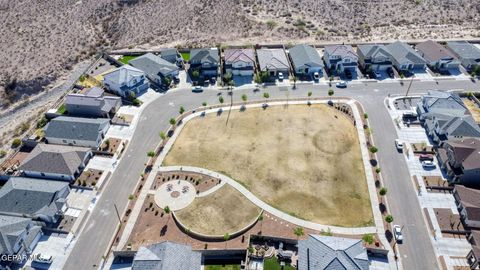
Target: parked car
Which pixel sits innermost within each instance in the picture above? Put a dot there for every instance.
(316, 76)
(410, 116)
(397, 231)
(341, 84)
(197, 89)
(280, 76)
(41, 258)
(423, 157)
(399, 145)
(428, 164)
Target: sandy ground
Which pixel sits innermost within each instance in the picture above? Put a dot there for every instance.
(303, 160)
(473, 108)
(225, 211)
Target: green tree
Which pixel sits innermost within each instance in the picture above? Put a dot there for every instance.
(166, 209)
(266, 95)
(389, 219)
(204, 104)
(368, 238)
(173, 121)
(383, 191)
(162, 135)
(3, 153)
(131, 197)
(150, 153)
(244, 98)
(260, 219)
(42, 122)
(330, 92)
(298, 231)
(181, 110)
(16, 142)
(195, 74)
(220, 99)
(373, 149)
(365, 115)
(227, 77)
(378, 170)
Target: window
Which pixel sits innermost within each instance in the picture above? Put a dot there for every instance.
(64, 141)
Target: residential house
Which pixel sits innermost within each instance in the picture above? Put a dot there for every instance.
(331, 253)
(86, 132)
(306, 61)
(18, 236)
(56, 162)
(239, 61)
(157, 69)
(446, 127)
(167, 256)
(460, 158)
(38, 199)
(374, 57)
(438, 57)
(340, 58)
(468, 204)
(273, 61)
(171, 55)
(467, 53)
(473, 257)
(206, 61)
(405, 58)
(126, 80)
(92, 102)
(437, 102)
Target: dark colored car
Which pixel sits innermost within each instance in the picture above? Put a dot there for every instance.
(423, 157)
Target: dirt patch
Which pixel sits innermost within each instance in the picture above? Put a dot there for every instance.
(305, 161)
(89, 178)
(473, 108)
(111, 145)
(447, 220)
(200, 181)
(224, 211)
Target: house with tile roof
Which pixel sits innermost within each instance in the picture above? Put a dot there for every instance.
(460, 158)
(339, 58)
(75, 131)
(125, 80)
(273, 61)
(56, 162)
(467, 53)
(306, 61)
(331, 253)
(92, 102)
(468, 204)
(38, 199)
(18, 235)
(405, 58)
(438, 57)
(206, 61)
(374, 57)
(156, 68)
(167, 256)
(240, 62)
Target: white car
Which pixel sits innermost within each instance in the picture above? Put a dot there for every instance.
(399, 145)
(280, 76)
(341, 84)
(197, 89)
(40, 258)
(428, 164)
(397, 231)
(316, 76)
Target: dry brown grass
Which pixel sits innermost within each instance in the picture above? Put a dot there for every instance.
(473, 108)
(225, 211)
(303, 160)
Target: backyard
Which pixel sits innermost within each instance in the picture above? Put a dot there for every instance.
(124, 59)
(303, 160)
(224, 211)
(223, 267)
(273, 264)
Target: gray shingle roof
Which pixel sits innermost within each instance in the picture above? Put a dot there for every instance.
(403, 53)
(168, 52)
(123, 74)
(153, 65)
(341, 50)
(465, 50)
(205, 56)
(31, 196)
(374, 50)
(331, 253)
(304, 55)
(442, 102)
(11, 228)
(59, 159)
(272, 59)
(75, 128)
(461, 126)
(93, 98)
(166, 256)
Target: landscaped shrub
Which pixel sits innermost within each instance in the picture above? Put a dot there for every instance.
(16, 142)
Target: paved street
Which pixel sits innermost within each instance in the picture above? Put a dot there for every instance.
(417, 251)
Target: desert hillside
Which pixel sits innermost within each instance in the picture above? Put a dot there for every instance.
(42, 40)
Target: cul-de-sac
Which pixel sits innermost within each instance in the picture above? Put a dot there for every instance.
(276, 138)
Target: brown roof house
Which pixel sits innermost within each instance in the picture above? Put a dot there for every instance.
(473, 256)
(437, 56)
(468, 204)
(461, 160)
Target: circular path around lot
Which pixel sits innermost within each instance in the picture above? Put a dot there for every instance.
(176, 194)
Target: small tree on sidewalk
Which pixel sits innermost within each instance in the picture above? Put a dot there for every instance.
(266, 95)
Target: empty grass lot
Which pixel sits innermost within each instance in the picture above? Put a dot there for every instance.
(303, 160)
(225, 211)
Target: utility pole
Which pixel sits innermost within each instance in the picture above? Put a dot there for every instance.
(409, 85)
(118, 215)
